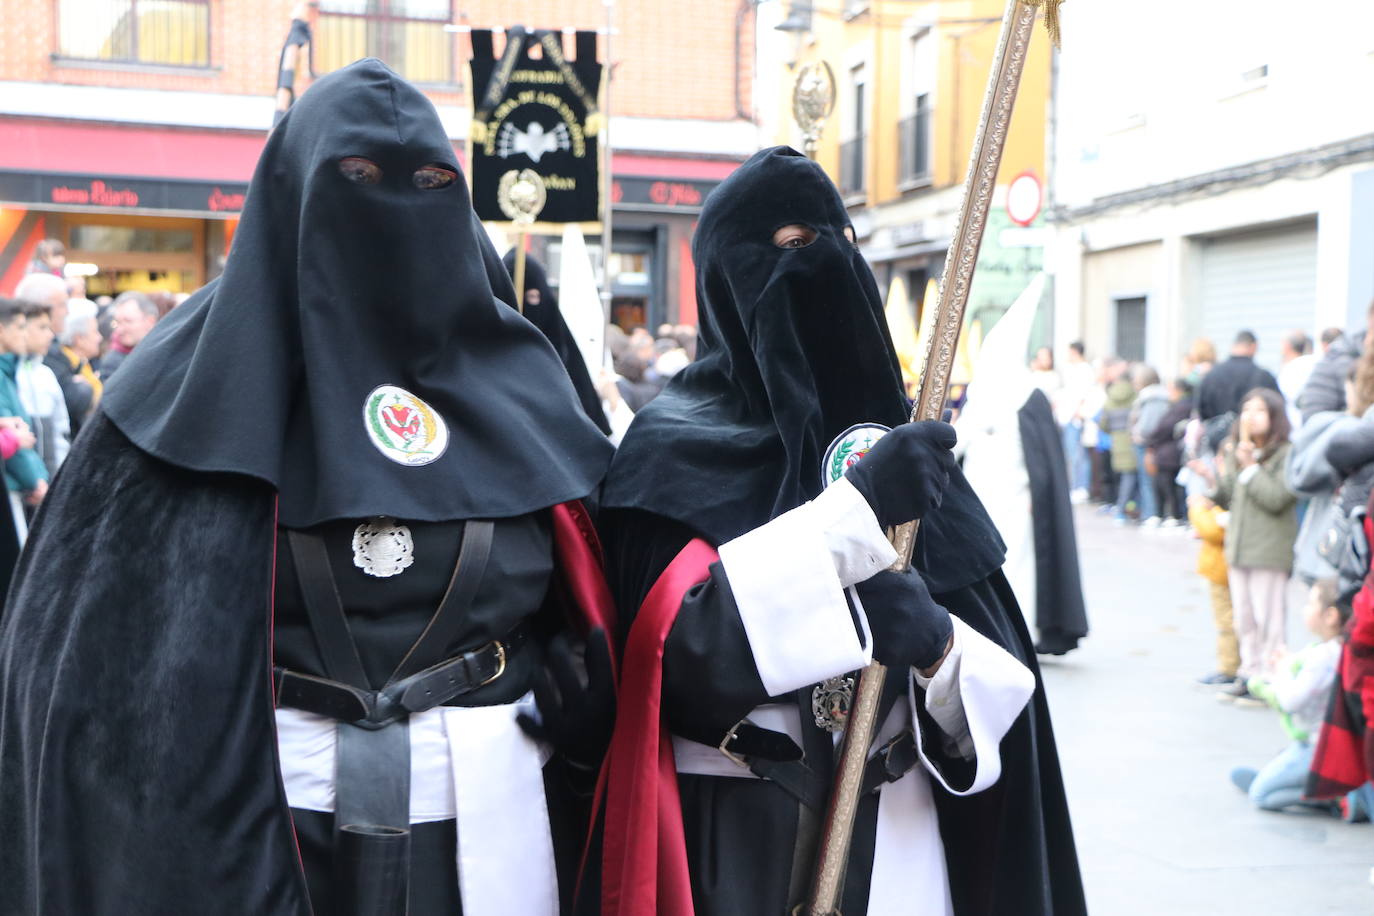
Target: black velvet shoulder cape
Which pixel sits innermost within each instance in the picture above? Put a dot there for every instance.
(138, 769)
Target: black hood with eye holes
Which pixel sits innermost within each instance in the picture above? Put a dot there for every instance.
(793, 349)
(334, 289)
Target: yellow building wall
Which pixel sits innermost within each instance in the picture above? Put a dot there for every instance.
(964, 48)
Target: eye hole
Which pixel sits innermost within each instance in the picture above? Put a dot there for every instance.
(849, 234)
(794, 236)
(433, 177)
(359, 170)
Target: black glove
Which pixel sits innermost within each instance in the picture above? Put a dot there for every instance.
(577, 719)
(909, 628)
(904, 476)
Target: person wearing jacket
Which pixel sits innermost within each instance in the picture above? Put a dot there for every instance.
(1116, 423)
(1225, 387)
(26, 478)
(1151, 403)
(1326, 384)
(1206, 517)
(1165, 444)
(1313, 477)
(1262, 526)
(39, 390)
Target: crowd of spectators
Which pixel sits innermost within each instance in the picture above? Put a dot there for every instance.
(1272, 474)
(58, 352)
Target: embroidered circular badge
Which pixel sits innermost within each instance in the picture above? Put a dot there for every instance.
(848, 447)
(403, 427)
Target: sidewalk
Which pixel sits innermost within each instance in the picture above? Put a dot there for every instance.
(1146, 754)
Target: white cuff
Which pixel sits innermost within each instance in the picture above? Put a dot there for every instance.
(788, 579)
(858, 545)
(992, 689)
(1248, 474)
(944, 702)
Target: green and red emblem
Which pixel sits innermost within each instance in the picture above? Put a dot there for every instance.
(403, 427)
(848, 447)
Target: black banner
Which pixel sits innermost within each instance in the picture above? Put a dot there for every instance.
(535, 109)
(116, 193)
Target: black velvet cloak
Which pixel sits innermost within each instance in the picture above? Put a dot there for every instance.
(793, 349)
(138, 767)
(546, 316)
(335, 287)
(1060, 614)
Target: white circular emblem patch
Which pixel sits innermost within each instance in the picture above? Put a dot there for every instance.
(403, 427)
(848, 447)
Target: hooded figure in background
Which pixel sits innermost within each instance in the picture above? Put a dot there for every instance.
(752, 589)
(541, 310)
(341, 481)
(1013, 455)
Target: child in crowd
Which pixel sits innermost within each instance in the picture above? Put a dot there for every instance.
(1299, 692)
(1262, 524)
(1207, 518)
(25, 475)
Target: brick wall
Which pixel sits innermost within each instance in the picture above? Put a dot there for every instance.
(675, 59)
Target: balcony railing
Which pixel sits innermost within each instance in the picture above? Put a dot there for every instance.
(852, 167)
(167, 32)
(913, 147)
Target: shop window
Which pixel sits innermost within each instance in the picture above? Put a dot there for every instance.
(171, 32)
(408, 35)
(131, 238)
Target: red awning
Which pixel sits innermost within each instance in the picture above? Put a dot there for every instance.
(135, 151)
(128, 150)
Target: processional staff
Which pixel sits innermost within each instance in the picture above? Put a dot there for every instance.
(941, 345)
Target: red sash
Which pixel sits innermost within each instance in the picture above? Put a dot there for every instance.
(644, 866)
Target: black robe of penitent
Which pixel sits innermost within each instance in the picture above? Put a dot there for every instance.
(735, 440)
(1060, 614)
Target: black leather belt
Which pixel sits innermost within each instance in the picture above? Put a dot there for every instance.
(774, 756)
(434, 686)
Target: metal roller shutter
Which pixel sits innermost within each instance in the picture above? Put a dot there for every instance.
(1265, 281)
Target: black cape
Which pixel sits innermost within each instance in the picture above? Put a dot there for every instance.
(334, 288)
(136, 724)
(736, 439)
(546, 316)
(1060, 614)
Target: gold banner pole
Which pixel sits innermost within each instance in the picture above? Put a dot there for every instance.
(984, 162)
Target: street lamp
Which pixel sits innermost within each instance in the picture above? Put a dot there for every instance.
(798, 17)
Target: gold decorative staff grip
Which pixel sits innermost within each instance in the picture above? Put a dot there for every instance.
(838, 828)
(984, 162)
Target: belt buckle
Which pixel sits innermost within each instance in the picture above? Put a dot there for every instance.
(724, 746)
(500, 661)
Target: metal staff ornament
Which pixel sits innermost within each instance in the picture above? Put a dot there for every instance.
(984, 161)
(813, 101)
(521, 196)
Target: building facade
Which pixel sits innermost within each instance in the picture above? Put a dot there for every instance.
(129, 128)
(910, 80)
(1227, 184)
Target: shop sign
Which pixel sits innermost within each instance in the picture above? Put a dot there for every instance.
(38, 188)
(660, 194)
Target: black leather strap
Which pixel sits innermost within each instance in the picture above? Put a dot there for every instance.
(423, 690)
(325, 609)
(443, 627)
(894, 760)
